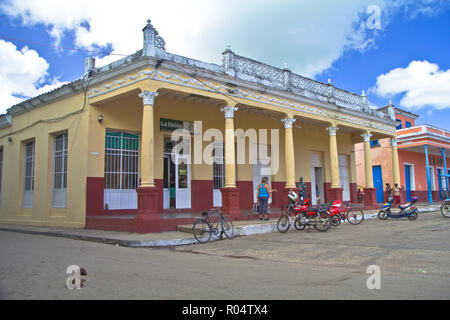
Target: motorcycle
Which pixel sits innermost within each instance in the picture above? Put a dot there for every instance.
(408, 210)
(302, 215)
(445, 206)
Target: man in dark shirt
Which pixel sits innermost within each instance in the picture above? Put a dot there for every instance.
(301, 186)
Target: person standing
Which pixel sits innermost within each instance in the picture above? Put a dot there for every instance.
(396, 192)
(172, 193)
(317, 194)
(388, 191)
(301, 186)
(263, 195)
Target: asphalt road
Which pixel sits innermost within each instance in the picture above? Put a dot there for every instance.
(413, 258)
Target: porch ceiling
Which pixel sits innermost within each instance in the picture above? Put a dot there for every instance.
(433, 150)
(264, 112)
(191, 97)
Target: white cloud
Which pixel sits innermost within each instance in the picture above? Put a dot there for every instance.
(309, 35)
(421, 83)
(20, 71)
(22, 75)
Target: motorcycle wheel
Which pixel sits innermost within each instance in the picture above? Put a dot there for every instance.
(335, 220)
(283, 223)
(299, 226)
(413, 215)
(445, 210)
(382, 215)
(325, 222)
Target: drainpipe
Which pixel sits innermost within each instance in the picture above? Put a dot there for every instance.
(445, 169)
(430, 194)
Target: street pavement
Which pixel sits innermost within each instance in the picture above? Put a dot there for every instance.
(413, 258)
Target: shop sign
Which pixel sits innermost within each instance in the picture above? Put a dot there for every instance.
(170, 125)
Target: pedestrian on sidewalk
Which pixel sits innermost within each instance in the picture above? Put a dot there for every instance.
(302, 190)
(388, 191)
(396, 192)
(263, 194)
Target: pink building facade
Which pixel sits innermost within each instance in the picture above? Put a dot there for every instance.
(422, 160)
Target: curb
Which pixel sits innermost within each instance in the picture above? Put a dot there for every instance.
(240, 231)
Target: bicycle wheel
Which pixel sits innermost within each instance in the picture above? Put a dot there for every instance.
(283, 223)
(324, 223)
(445, 210)
(335, 220)
(355, 216)
(228, 228)
(202, 231)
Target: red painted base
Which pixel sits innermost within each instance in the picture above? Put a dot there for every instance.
(245, 194)
(147, 218)
(230, 203)
(370, 197)
(353, 193)
(335, 194)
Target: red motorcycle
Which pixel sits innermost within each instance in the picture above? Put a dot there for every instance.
(339, 211)
(301, 214)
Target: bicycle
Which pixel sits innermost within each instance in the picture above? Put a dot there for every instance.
(354, 215)
(204, 228)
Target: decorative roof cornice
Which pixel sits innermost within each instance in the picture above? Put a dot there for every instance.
(241, 71)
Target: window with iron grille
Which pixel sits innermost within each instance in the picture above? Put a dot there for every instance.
(29, 166)
(121, 160)
(27, 198)
(59, 171)
(218, 166)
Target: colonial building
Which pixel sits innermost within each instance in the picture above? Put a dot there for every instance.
(100, 151)
(421, 156)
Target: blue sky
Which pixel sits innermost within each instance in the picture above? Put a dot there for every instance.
(404, 59)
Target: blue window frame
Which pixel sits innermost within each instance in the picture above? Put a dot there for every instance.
(407, 124)
(399, 123)
(375, 143)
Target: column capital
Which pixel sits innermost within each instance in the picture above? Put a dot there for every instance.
(332, 130)
(288, 122)
(393, 142)
(366, 136)
(229, 111)
(148, 97)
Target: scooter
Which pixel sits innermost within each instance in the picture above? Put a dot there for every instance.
(445, 206)
(408, 210)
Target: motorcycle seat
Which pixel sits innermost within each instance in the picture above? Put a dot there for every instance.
(314, 208)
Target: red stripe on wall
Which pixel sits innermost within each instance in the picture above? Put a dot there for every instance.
(94, 196)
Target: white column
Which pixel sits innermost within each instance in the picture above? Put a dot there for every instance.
(230, 166)
(368, 159)
(147, 160)
(289, 152)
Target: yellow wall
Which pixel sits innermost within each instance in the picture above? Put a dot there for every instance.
(121, 109)
(42, 212)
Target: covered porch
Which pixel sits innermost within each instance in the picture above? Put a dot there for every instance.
(424, 157)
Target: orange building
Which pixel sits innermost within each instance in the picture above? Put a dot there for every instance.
(422, 160)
